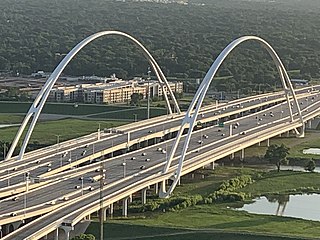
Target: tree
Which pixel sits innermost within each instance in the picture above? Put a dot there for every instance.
(136, 98)
(310, 166)
(277, 154)
(84, 237)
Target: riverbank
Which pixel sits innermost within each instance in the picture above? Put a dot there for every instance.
(208, 219)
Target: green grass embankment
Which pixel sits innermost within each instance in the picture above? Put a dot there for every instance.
(45, 132)
(219, 220)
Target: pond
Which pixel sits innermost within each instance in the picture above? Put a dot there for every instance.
(315, 151)
(304, 206)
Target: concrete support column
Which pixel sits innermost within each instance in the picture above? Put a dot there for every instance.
(163, 186)
(232, 156)
(144, 195)
(212, 165)
(288, 134)
(156, 188)
(268, 142)
(179, 181)
(259, 144)
(104, 213)
(242, 154)
(45, 237)
(110, 209)
(67, 230)
(56, 234)
(0, 231)
(130, 198)
(310, 124)
(125, 207)
(230, 130)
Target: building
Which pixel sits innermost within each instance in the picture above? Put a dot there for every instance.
(117, 91)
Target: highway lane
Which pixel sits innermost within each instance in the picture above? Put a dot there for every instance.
(115, 169)
(68, 155)
(72, 211)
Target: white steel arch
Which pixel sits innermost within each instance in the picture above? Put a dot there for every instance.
(40, 100)
(191, 115)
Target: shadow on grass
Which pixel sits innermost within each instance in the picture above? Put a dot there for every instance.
(115, 231)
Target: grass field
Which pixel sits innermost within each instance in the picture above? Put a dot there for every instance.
(296, 145)
(113, 231)
(219, 220)
(45, 132)
(10, 119)
(109, 111)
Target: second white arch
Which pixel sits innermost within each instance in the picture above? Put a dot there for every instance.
(191, 116)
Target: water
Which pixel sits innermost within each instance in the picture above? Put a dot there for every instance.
(297, 206)
(296, 168)
(315, 151)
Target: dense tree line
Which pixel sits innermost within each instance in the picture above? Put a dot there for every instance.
(184, 39)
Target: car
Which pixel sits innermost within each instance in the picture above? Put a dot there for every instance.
(49, 164)
(143, 154)
(205, 136)
(86, 146)
(222, 134)
(133, 158)
(14, 169)
(159, 149)
(164, 151)
(15, 198)
(271, 115)
(264, 114)
(81, 178)
(150, 131)
(52, 202)
(69, 160)
(301, 103)
(243, 133)
(64, 154)
(97, 170)
(260, 119)
(142, 167)
(202, 115)
(38, 161)
(219, 130)
(49, 169)
(66, 198)
(237, 124)
(200, 141)
(91, 188)
(147, 160)
(84, 152)
(13, 214)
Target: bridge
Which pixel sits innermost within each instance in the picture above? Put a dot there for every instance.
(51, 190)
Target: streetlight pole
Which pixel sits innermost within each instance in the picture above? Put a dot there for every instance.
(4, 150)
(58, 140)
(124, 168)
(148, 92)
(27, 174)
(135, 117)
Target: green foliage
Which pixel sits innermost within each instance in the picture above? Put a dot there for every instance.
(227, 191)
(183, 41)
(136, 99)
(277, 154)
(310, 165)
(84, 237)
